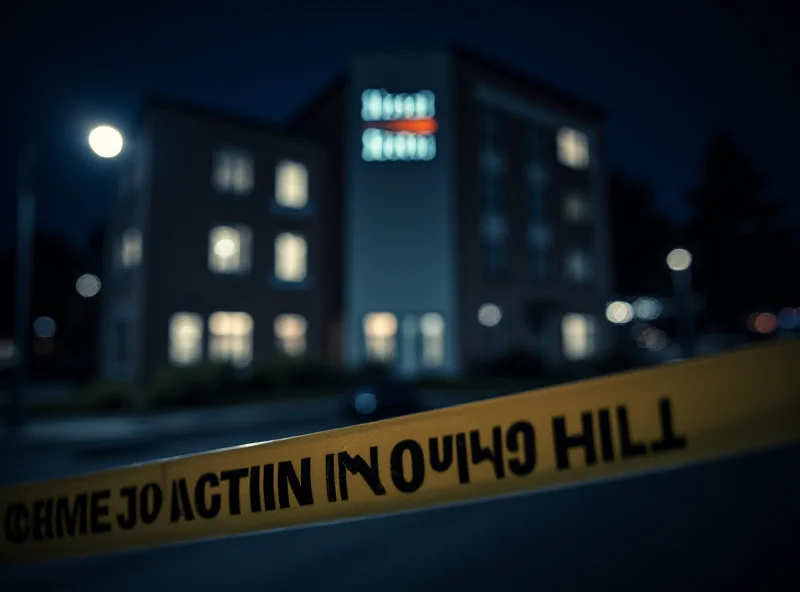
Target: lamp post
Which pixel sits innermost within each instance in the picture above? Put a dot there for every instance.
(680, 261)
(106, 142)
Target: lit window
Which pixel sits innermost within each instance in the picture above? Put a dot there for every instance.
(131, 251)
(575, 208)
(573, 148)
(380, 330)
(233, 172)
(185, 338)
(290, 334)
(229, 249)
(230, 338)
(577, 336)
(291, 184)
(578, 267)
(432, 327)
(291, 257)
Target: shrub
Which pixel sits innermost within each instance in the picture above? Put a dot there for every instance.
(105, 395)
(194, 386)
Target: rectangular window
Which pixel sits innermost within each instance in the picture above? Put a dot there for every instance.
(291, 184)
(578, 336)
(291, 257)
(290, 334)
(433, 343)
(572, 148)
(539, 235)
(130, 252)
(233, 171)
(575, 208)
(380, 336)
(493, 174)
(578, 266)
(231, 338)
(185, 339)
(229, 249)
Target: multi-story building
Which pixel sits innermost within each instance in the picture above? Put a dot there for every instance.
(427, 210)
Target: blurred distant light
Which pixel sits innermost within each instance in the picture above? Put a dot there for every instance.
(619, 312)
(638, 330)
(489, 315)
(647, 309)
(88, 285)
(44, 327)
(7, 350)
(652, 339)
(679, 259)
(105, 141)
(787, 319)
(763, 322)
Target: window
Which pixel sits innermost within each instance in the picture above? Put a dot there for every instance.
(577, 336)
(432, 328)
(229, 249)
(185, 339)
(230, 338)
(233, 172)
(291, 257)
(131, 249)
(578, 266)
(290, 334)
(575, 208)
(291, 184)
(495, 235)
(380, 330)
(573, 148)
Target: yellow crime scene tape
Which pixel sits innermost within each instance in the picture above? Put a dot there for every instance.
(690, 411)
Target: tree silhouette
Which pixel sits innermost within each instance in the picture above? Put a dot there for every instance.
(743, 259)
(641, 238)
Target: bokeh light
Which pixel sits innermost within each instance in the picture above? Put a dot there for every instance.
(88, 285)
(44, 327)
(489, 315)
(105, 141)
(619, 312)
(679, 259)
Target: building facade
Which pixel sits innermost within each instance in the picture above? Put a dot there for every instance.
(428, 211)
(216, 245)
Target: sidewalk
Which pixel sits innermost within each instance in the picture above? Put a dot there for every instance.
(121, 429)
(128, 429)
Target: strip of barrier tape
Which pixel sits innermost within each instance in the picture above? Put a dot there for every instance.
(690, 411)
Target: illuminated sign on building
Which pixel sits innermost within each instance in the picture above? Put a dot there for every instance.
(398, 126)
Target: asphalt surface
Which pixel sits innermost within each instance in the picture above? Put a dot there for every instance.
(732, 525)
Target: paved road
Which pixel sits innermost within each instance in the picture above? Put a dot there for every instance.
(729, 526)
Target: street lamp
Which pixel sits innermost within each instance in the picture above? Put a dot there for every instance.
(106, 142)
(680, 262)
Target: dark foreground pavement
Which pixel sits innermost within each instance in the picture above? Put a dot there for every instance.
(732, 525)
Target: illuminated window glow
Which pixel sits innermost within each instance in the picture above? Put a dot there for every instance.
(291, 257)
(291, 184)
(573, 148)
(231, 338)
(290, 334)
(131, 251)
(577, 336)
(185, 339)
(380, 332)
(229, 249)
(433, 345)
(233, 172)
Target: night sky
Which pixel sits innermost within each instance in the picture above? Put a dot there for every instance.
(665, 75)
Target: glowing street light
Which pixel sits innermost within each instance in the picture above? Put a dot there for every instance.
(106, 141)
(679, 261)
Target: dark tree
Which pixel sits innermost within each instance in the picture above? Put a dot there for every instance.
(641, 237)
(743, 256)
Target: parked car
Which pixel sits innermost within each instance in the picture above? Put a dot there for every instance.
(382, 400)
